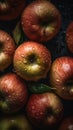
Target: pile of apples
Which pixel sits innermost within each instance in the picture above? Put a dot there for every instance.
(31, 81)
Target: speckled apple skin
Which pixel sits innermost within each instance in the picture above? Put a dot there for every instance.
(69, 37)
(11, 9)
(41, 21)
(67, 123)
(13, 93)
(61, 77)
(32, 61)
(44, 110)
(7, 49)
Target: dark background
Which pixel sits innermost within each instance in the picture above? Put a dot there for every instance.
(57, 45)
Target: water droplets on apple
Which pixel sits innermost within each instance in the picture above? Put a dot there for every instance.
(8, 38)
(22, 23)
(66, 67)
(71, 91)
(33, 48)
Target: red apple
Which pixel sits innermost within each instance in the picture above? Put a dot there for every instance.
(10, 9)
(7, 49)
(32, 61)
(13, 93)
(61, 76)
(69, 37)
(67, 123)
(44, 110)
(41, 20)
(15, 122)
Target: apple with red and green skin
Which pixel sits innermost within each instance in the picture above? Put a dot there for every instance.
(13, 93)
(69, 37)
(61, 77)
(11, 9)
(7, 49)
(32, 61)
(44, 110)
(67, 123)
(41, 21)
(15, 122)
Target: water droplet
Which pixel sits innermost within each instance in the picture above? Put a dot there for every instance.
(33, 107)
(57, 80)
(22, 23)
(41, 113)
(71, 91)
(63, 88)
(33, 48)
(25, 69)
(8, 38)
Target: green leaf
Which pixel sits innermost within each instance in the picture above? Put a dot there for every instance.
(18, 34)
(38, 88)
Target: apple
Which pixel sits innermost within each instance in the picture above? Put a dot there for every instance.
(32, 61)
(69, 37)
(61, 76)
(11, 9)
(13, 93)
(41, 21)
(15, 122)
(7, 49)
(67, 123)
(44, 110)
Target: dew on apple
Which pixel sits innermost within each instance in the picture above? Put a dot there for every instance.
(33, 48)
(63, 88)
(66, 67)
(8, 38)
(70, 127)
(71, 91)
(39, 25)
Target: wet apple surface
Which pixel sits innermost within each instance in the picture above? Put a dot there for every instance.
(67, 123)
(39, 23)
(61, 76)
(57, 46)
(32, 61)
(7, 49)
(44, 110)
(13, 93)
(69, 37)
(11, 9)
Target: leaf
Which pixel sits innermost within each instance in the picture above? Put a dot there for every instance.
(18, 34)
(39, 88)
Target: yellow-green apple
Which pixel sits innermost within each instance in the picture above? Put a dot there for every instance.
(13, 93)
(15, 122)
(61, 76)
(44, 110)
(41, 20)
(32, 61)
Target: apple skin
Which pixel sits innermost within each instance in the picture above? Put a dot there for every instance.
(7, 49)
(39, 23)
(69, 37)
(67, 123)
(15, 122)
(11, 9)
(61, 77)
(32, 61)
(44, 110)
(13, 93)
